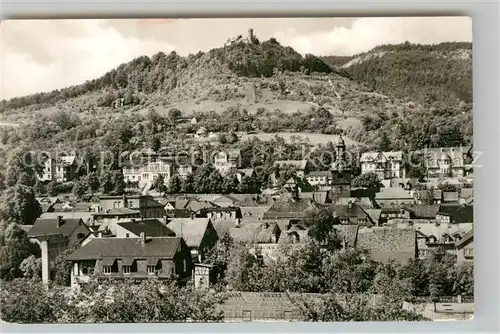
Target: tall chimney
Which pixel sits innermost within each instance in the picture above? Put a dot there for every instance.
(250, 35)
(45, 262)
(143, 238)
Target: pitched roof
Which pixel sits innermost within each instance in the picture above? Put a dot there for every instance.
(393, 193)
(300, 164)
(374, 214)
(466, 192)
(296, 231)
(450, 196)
(465, 238)
(51, 226)
(222, 226)
(255, 232)
(423, 211)
(459, 213)
(117, 211)
(386, 243)
(151, 228)
(395, 182)
(191, 230)
(433, 227)
(290, 209)
(162, 247)
(246, 171)
(384, 156)
(422, 193)
(253, 212)
(83, 215)
(352, 212)
(321, 197)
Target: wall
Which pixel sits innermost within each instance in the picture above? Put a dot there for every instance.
(461, 252)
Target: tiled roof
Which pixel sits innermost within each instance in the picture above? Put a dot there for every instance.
(374, 214)
(352, 212)
(191, 230)
(465, 238)
(458, 213)
(393, 193)
(253, 212)
(25, 228)
(117, 211)
(181, 203)
(450, 196)
(151, 228)
(291, 208)
(422, 193)
(255, 232)
(222, 226)
(288, 236)
(395, 182)
(321, 197)
(83, 215)
(385, 156)
(386, 243)
(300, 164)
(50, 226)
(466, 192)
(349, 233)
(163, 248)
(423, 211)
(433, 227)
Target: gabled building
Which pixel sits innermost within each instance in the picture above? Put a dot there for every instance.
(59, 169)
(145, 205)
(386, 165)
(386, 243)
(291, 209)
(256, 233)
(225, 161)
(131, 258)
(394, 197)
(319, 178)
(340, 173)
(428, 196)
(199, 233)
(352, 213)
(133, 229)
(465, 247)
(299, 165)
(448, 161)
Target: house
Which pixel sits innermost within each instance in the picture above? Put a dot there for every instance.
(394, 196)
(428, 196)
(386, 243)
(133, 229)
(348, 234)
(47, 203)
(222, 227)
(457, 213)
(253, 212)
(221, 213)
(67, 232)
(256, 233)
(145, 205)
(423, 211)
(244, 172)
(114, 215)
(432, 234)
(59, 169)
(291, 209)
(135, 258)
(319, 178)
(199, 233)
(465, 247)
(450, 197)
(300, 166)
(447, 161)
(321, 197)
(407, 183)
(386, 165)
(351, 213)
(294, 234)
(466, 196)
(392, 212)
(225, 161)
(144, 173)
(85, 216)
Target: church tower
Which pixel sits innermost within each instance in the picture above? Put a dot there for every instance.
(340, 173)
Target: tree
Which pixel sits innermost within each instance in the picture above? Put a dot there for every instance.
(367, 180)
(106, 182)
(93, 182)
(159, 184)
(384, 144)
(174, 114)
(14, 249)
(80, 188)
(26, 302)
(321, 228)
(61, 267)
(31, 267)
(155, 143)
(40, 188)
(19, 205)
(175, 185)
(22, 167)
(52, 188)
(119, 184)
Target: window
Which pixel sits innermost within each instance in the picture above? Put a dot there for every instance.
(126, 269)
(80, 235)
(184, 265)
(127, 235)
(468, 252)
(151, 270)
(107, 269)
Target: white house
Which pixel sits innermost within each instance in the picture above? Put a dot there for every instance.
(386, 165)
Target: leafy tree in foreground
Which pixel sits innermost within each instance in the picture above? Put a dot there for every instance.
(367, 180)
(14, 248)
(19, 205)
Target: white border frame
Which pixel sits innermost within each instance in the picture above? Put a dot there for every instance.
(486, 37)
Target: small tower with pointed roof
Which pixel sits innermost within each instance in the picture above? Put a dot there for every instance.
(340, 172)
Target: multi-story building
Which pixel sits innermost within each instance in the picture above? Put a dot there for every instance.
(319, 178)
(60, 169)
(225, 161)
(148, 172)
(340, 173)
(145, 205)
(300, 166)
(119, 258)
(447, 161)
(386, 165)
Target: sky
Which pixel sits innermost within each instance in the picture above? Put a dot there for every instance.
(43, 55)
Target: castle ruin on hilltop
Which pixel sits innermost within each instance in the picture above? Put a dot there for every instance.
(251, 39)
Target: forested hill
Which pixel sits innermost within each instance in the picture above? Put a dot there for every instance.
(162, 73)
(423, 73)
